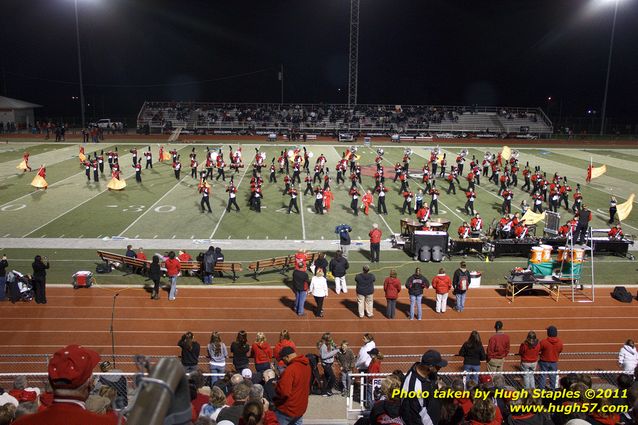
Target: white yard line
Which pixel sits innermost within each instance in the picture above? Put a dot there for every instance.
(238, 183)
(31, 193)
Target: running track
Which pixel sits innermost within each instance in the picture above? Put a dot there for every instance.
(143, 326)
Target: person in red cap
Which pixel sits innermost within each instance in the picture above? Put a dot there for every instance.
(70, 372)
(293, 388)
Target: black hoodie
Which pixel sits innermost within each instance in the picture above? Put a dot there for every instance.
(386, 412)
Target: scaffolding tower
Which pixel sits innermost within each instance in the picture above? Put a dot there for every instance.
(353, 64)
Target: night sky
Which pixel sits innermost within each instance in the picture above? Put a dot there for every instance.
(492, 52)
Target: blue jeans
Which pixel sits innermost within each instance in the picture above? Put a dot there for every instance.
(208, 278)
(3, 287)
(472, 368)
(548, 367)
(216, 369)
(460, 301)
(300, 300)
(173, 291)
(285, 420)
(261, 367)
(415, 300)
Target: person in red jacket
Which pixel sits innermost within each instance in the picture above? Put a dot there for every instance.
(529, 351)
(293, 388)
(173, 268)
(256, 412)
(391, 287)
(261, 352)
(442, 285)
(284, 341)
(550, 349)
(375, 243)
(70, 371)
(498, 348)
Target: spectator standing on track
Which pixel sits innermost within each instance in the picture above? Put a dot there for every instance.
(190, 352)
(293, 388)
(529, 351)
(241, 351)
(442, 285)
(391, 287)
(262, 353)
(363, 359)
(319, 290)
(498, 347)
(423, 377)
(338, 267)
(217, 354)
(300, 284)
(550, 350)
(155, 273)
(173, 268)
(344, 238)
(70, 372)
(473, 354)
(365, 291)
(628, 357)
(327, 351)
(415, 285)
(345, 357)
(209, 260)
(375, 243)
(461, 283)
(3, 276)
(321, 263)
(284, 341)
(39, 278)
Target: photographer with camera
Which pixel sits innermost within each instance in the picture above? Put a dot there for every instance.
(39, 278)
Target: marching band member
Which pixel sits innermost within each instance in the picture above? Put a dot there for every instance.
(174, 155)
(328, 197)
(134, 152)
(381, 208)
(426, 179)
(308, 181)
(367, 200)
(450, 180)
(95, 166)
(357, 172)
(503, 180)
(578, 200)
(220, 169)
(526, 177)
(353, 180)
(87, 169)
(443, 164)
(405, 185)
(612, 209)
(321, 161)
(554, 197)
(193, 155)
(257, 196)
(418, 200)
(138, 172)
(177, 166)
(407, 202)
(117, 182)
(434, 202)
(317, 175)
(354, 204)
(464, 231)
(514, 174)
(149, 158)
(24, 165)
(281, 161)
(616, 232)
(507, 195)
(318, 200)
(505, 226)
(538, 203)
(470, 180)
(296, 170)
(477, 174)
(496, 171)
(205, 191)
(232, 196)
(109, 157)
(100, 161)
(340, 172)
(194, 166)
(486, 164)
(273, 172)
(469, 204)
(524, 206)
(423, 214)
(460, 163)
(160, 154)
(398, 170)
(39, 181)
(520, 231)
(208, 165)
(476, 224)
(293, 200)
(434, 163)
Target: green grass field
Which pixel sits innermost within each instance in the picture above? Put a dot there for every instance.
(164, 208)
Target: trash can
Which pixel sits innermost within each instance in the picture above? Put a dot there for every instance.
(475, 279)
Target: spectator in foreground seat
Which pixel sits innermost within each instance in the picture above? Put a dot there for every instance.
(293, 388)
(70, 372)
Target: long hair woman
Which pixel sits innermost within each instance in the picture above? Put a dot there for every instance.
(155, 273)
(262, 352)
(473, 354)
(240, 350)
(327, 351)
(284, 341)
(529, 352)
(217, 353)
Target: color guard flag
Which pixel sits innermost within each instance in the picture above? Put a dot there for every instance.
(531, 217)
(593, 172)
(506, 153)
(624, 209)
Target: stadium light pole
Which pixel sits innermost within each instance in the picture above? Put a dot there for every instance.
(611, 51)
(77, 37)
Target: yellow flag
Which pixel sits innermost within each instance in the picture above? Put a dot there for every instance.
(506, 153)
(598, 171)
(624, 209)
(531, 217)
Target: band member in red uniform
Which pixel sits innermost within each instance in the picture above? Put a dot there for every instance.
(95, 167)
(273, 172)
(87, 169)
(174, 155)
(470, 180)
(194, 166)
(367, 200)
(520, 231)
(464, 231)
(232, 196)
(134, 152)
(578, 200)
(443, 164)
(469, 204)
(205, 191)
(407, 202)
(476, 224)
(354, 194)
(507, 195)
(423, 213)
(293, 200)
(258, 195)
(554, 197)
(434, 202)
(177, 166)
(398, 171)
(526, 177)
(353, 180)
(405, 185)
(326, 179)
(450, 180)
(616, 232)
(138, 172)
(100, 161)
(538, 203)
(220, 169)
(381, 208)
(308, 181)
(328, 197)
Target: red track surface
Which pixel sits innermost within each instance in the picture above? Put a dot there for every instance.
(143, 326)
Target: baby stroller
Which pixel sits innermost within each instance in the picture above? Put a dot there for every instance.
(20, 286)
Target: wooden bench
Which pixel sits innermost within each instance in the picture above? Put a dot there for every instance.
(109, 257)
(281, 264)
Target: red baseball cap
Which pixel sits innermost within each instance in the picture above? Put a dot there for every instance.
(484, 379)
(72, 366)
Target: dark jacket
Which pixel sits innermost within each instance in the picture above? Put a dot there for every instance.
(338, 266)
(365, 283)
(231, 413)
(344, 234)
(3, 267)
(190, 356)
(155, 271)
(321, 264)
(384, 411)
(240, 354)
(472, 355)
(413, 408)
(219, 256)
(457, 278)
(299, 279)
(209, 261)
(40, 270)
(416, 284)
